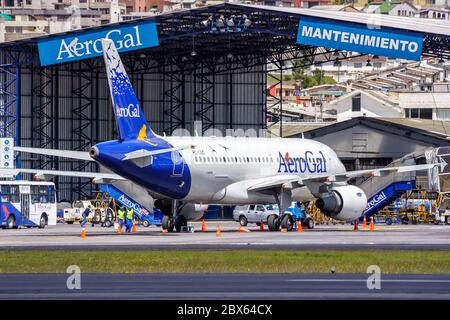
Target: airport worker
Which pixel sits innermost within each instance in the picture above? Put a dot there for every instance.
(120, 216)
(437, 217)
(129, 224)
(85, 215)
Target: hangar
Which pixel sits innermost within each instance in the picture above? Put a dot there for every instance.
(209, 64)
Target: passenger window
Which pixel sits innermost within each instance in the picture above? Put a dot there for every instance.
(252, 207)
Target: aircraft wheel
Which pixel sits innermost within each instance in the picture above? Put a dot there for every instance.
(180, 222)
(167, 223)
(287, 222)
(273, 222)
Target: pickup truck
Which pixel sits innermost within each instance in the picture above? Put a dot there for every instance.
(254, 213)
(269, 214)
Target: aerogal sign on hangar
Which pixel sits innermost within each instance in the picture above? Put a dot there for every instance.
(83, 45)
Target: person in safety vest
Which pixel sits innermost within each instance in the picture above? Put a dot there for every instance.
(129, 224)
(120, 216)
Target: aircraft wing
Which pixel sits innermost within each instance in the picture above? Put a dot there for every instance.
(274, 181)
(78, 155)
(344, 176)
(290, 181)
(97, 177)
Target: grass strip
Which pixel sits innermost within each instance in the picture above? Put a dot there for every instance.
(225, 261)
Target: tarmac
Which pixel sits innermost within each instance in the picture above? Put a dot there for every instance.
(63, 236)
(225, 286)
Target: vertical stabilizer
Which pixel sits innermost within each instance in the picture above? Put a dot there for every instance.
(129, 116)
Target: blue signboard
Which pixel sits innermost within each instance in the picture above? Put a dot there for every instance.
(353, 37)
(84, 45)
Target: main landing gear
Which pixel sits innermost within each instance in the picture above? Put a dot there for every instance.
(283, 198)
(172, 220)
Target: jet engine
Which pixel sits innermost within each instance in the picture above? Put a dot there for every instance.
(345, 203)
(191, 211)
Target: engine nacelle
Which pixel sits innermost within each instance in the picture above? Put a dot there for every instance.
(193, 211)
(345, 203)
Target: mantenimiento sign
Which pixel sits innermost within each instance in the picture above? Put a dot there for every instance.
(353, 37)
(83, 45)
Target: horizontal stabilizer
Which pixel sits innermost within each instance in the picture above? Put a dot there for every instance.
(141, 153)
(48, 174)
(79, 155)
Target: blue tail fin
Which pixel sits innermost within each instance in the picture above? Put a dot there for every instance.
(129, 116)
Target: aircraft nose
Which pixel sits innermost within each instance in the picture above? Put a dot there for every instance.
(93, 152)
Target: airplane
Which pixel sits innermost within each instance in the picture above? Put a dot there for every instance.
(185, 174)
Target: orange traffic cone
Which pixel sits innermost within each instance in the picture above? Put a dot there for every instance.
(299, 227)
(372, 224)
(203, 225)
(83, 233)
(133, 228)
(364, 223)
(242, 229)
(218, 232)
(355, 226)
(261, 227)
(119, 228)
(283, 230)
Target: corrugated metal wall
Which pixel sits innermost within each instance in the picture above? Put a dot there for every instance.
(68, 107)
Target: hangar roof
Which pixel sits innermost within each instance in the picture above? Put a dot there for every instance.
(430, 131)
(273, 30)
(433, 26)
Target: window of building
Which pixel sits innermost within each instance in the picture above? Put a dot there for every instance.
(356, 103)
(377, 65)
(426, 113)
(416, 113)
(443, 114)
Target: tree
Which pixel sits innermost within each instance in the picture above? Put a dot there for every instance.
(307, 81)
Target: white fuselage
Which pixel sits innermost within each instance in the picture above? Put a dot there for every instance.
(216, 163)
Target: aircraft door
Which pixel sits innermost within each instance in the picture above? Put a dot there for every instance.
(178, 164)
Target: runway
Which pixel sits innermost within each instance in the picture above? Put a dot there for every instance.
(224, 286)
(339, 237)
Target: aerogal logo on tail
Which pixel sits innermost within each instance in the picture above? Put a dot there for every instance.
(131, 111)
